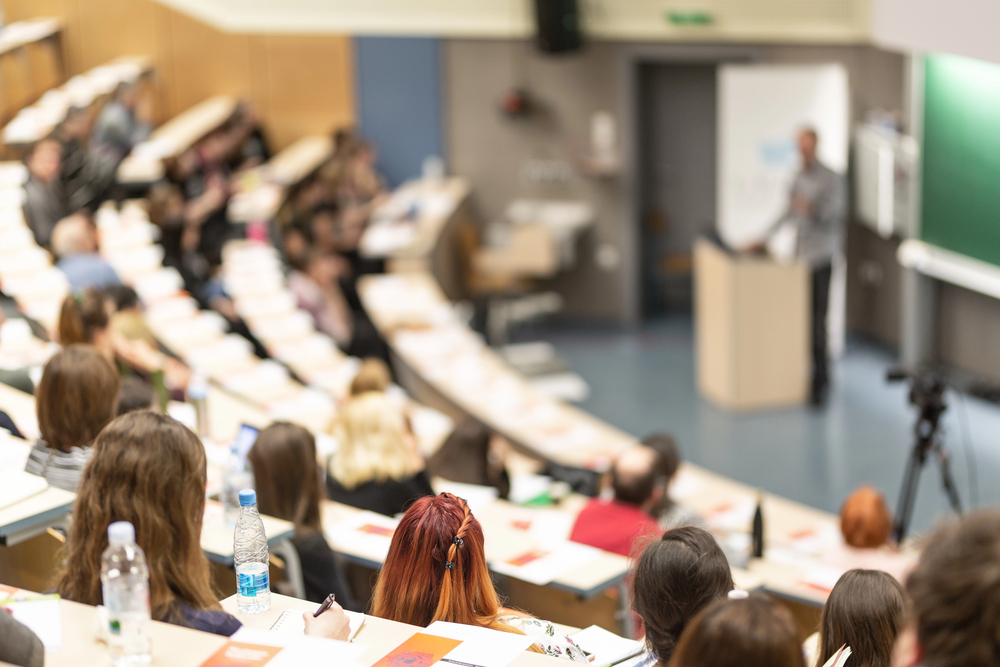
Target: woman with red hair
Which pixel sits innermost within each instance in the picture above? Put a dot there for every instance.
(436, 571)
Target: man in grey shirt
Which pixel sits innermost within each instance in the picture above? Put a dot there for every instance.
(18, 644)
(817, 209)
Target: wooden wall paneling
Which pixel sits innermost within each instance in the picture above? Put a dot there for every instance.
(205, 63)
(111, 28)
(46, 65)
(309, 84)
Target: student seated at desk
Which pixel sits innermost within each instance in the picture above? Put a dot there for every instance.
(86, 319)
(123, 122)
(615, 525)
(45, 202)
(955, 596)
(289, 486)
(472, 455)
(18, 644)
(150, 470)
(135, 394)
(668, 512)
(866, 611)
(76, 398)
(74, 243)
(674, 579)
(436, 571)
(376, 466)
(373, 375)
(866, 525)
(751, 632)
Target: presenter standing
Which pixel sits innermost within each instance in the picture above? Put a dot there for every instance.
(816, 210)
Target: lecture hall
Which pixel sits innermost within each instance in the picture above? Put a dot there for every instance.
(634, 333)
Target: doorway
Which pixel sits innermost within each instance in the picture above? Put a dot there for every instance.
(677, 178)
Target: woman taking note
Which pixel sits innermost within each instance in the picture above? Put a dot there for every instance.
(436, 571)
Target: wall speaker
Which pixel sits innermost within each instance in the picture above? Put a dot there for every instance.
(558, 23)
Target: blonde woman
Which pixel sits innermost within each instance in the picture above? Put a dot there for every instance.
(376, 466)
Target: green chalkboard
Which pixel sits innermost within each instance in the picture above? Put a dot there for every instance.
(961, 156)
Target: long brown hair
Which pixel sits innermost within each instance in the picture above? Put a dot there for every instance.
(82, 316)
(286, 475)
(865, 610)
(753, 632)
(416, 584)
(76, 397)
(147, 469)
(675, 578)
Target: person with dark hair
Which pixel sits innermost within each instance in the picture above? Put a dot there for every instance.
(673, 579)
(136, 394)
(469, 456)
(865, 611)
(123, 122)
(615, 525)
(955, 597)
(669, 513)
(750, 632)
(289, 486)
(45, 202)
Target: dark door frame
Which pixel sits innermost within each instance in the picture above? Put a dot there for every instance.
(630, 59)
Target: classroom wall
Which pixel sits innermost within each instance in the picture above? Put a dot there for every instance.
(399, 101)
(493, 151)
(838, 21)
(301, 84)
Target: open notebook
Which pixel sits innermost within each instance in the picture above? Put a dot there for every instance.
(291, 623)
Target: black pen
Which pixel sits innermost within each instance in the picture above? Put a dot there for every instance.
(327, 603)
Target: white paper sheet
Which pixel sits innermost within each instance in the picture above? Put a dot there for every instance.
(544, 563)
(480, 647)
(302, 650)
(42, 615)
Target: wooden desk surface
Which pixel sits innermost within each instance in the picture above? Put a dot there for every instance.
(21, 33)
(35, 513)
(173, 646)
(299, 160)
(185, 129)
(377, 635)
(548, 428)
(447, 195)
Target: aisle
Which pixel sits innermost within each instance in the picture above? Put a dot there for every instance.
(643, 381)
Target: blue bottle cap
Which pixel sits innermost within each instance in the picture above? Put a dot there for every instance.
(248, 497)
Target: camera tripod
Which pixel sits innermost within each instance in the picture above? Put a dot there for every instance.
(927, 393)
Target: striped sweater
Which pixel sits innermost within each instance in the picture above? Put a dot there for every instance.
(61, 469)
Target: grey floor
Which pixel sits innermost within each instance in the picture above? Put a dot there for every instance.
(643, 381)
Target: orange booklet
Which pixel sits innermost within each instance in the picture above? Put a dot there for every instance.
(420, 650)
(235, 654)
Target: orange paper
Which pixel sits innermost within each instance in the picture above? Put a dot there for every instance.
(7, 591)
(235, 654)
(420, 650)
(528, 557)
(376, 530)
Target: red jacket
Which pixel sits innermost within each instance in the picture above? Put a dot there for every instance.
(613, 526)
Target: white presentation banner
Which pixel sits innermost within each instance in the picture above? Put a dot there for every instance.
(761, 109)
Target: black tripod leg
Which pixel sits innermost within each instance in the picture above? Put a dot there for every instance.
(944, 462)
(908, 494)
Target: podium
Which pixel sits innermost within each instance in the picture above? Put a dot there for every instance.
(752, 329)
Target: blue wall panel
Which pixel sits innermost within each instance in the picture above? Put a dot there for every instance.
(399, 101)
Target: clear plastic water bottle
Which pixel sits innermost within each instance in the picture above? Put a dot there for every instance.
(125, 583)
(197, 393)
(253, 586)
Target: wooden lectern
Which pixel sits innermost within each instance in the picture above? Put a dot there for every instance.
(752, 329)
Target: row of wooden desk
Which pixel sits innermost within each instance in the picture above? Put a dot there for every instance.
(174, 646)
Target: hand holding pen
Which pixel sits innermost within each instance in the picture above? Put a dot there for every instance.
(329, 621)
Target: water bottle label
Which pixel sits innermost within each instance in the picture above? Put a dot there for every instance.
(115, 626)
(249, 583)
